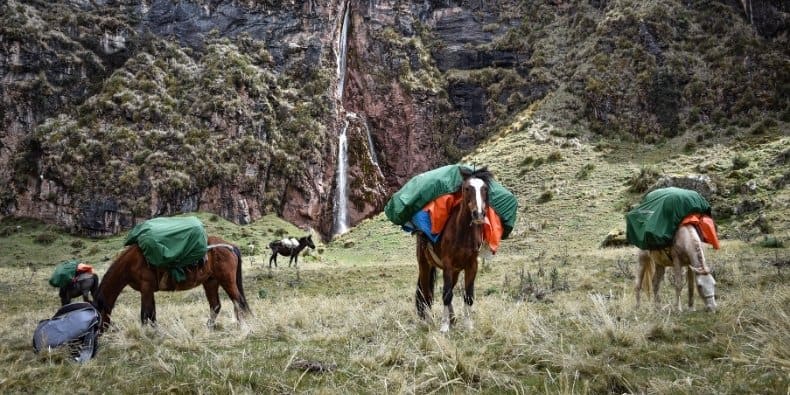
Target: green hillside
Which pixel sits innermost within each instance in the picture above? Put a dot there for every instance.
(604, 100)
(554, 311)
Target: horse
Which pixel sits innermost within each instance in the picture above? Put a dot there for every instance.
(287, 247)
(686, 250)
(86, 283)
(456, 251)
(221, 267)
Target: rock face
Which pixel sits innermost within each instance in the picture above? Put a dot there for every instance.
(116, 111)
(768, 17)
(72, 67)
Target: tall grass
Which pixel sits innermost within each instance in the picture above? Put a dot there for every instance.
(349, 308)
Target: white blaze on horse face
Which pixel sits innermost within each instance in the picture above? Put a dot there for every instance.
(706, 285)
(478, 185)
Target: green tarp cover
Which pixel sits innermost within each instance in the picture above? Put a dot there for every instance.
(423, 188)
(63, 274)
(652, 224)
(170, 243)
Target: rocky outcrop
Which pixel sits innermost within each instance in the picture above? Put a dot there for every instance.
(412, 109)
(768, 17)
(113, 112)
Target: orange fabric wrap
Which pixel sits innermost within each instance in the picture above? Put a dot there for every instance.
(439, 210)
(84, 268)
(705, 226)
(492, 229)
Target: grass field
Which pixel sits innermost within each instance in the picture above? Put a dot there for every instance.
(554, 312)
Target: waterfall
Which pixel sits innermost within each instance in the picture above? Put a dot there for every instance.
(342, 49)
(372, 150)
(341, 194)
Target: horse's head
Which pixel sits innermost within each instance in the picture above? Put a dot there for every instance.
(100, 305)
(309, 241)
(706, 286)
(475, 192)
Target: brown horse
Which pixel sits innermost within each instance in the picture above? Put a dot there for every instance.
(222, 267)
(456, 251)
(686, 250)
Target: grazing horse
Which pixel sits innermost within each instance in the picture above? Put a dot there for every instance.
(456, 251)
(83, 284)
(686, 250)
(289, 247)
(222, 268)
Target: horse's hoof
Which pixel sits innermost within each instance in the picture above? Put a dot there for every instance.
(445, 328)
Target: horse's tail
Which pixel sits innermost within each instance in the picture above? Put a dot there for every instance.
(648, 272)
(242, 299)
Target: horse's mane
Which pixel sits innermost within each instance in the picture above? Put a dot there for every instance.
(696, 251)
(482, 173)
(112, 279)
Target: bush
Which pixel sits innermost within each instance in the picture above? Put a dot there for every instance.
(771, 242)
(545, 196)
(46, 238)
(584, 172)
(740, 162)
(640, 183)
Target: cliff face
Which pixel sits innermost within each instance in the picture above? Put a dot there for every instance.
(117, 111)
(115, 114)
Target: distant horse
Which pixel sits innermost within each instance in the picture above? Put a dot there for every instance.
(83, 284)
(686, 250)
(289, 247)
(222, 267)
(456, 251)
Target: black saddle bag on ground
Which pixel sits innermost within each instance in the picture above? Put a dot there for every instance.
(75, 325)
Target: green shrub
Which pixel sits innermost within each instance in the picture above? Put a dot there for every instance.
(545, 196)
(555, 156)
(740, 162)
(584, 172)
(46, 238)
(771, 242)
(639, 183)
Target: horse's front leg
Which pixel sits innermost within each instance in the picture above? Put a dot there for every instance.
(450, 278)
(469, 295)
(678, 281)
(211, 288)
(147, 306)
(64, 296)
(690, 285)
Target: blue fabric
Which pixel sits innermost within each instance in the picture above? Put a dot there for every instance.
(421, 222)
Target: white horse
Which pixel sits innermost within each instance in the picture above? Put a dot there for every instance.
(686, 250)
